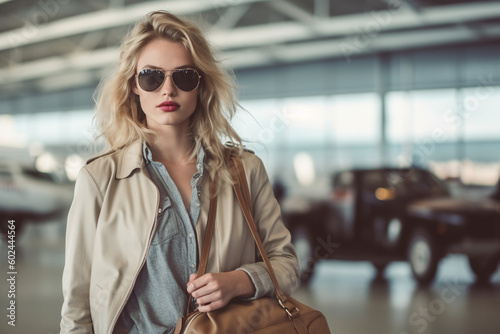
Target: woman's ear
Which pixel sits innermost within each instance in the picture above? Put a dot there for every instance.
(134, 88)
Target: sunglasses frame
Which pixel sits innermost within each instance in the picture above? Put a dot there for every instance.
(168, 75)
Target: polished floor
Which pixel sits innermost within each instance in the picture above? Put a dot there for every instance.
(352, 298)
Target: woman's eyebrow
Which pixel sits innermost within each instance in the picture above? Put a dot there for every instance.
(185, 66)
(161, 68)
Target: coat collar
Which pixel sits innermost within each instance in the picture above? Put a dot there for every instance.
(129, 159)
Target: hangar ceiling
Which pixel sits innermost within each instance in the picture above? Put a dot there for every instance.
(53, 45)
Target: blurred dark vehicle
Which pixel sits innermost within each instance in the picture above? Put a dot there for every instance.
(496, 193)
(27, 194)
(384, 215)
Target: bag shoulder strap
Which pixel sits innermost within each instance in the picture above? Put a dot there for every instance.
(207, 240)
(242, 192)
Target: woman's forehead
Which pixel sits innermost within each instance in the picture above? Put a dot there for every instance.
(164, 54)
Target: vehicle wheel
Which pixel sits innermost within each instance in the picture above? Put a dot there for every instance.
(423, 255)
(484, 267)
(301, 239)
(380, 267)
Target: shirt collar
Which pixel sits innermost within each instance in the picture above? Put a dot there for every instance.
(146, 152)
(148, 156)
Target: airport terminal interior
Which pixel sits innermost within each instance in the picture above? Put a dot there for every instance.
(378, 123)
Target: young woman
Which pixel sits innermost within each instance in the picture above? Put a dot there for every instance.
(138, 217)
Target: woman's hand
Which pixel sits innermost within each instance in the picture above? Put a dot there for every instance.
(214, 290)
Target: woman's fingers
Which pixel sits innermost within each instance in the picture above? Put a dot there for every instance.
(196, 283)
(204, 285)
(214, 290)
(207, 279)
(204, 291)
(192, 277)
(209, 298)
(211, 307)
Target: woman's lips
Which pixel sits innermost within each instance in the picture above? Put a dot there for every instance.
(168, 106)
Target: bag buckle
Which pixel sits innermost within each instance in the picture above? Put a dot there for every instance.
(290, 316)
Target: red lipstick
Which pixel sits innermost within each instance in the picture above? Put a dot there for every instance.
(168, 106)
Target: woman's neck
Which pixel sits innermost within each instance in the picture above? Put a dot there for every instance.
(173, 144)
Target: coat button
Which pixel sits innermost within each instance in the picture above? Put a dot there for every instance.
(197, 203)
(159, 210)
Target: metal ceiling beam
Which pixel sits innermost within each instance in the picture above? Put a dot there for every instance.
(261, 44)
(53, 65)
(404, 4)
(257, 56)
(334, 48)
(322, 8)
(262, 34)
(292, 11)
(412, 6)
(230, 17)
(356, 24)
(35, 32)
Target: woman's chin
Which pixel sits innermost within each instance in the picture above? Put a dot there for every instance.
(166, 121)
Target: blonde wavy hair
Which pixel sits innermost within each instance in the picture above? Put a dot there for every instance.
(120, 118)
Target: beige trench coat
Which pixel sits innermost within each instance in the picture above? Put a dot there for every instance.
(112, 221)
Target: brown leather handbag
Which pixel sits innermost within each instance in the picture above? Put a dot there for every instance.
(268, 315)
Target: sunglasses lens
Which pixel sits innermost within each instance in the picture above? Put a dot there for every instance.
(186, 79)
(150, 79)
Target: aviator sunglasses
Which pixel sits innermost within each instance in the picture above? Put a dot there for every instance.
(186, 79)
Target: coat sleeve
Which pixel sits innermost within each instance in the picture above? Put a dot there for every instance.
(80, 233)
(273, 233)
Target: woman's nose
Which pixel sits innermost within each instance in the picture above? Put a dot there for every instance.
(169, 87)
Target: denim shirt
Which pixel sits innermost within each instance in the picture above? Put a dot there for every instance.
(159, 295)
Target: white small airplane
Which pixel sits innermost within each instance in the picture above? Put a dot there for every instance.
(28, 195)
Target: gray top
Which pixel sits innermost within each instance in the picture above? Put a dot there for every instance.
(159, 295)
